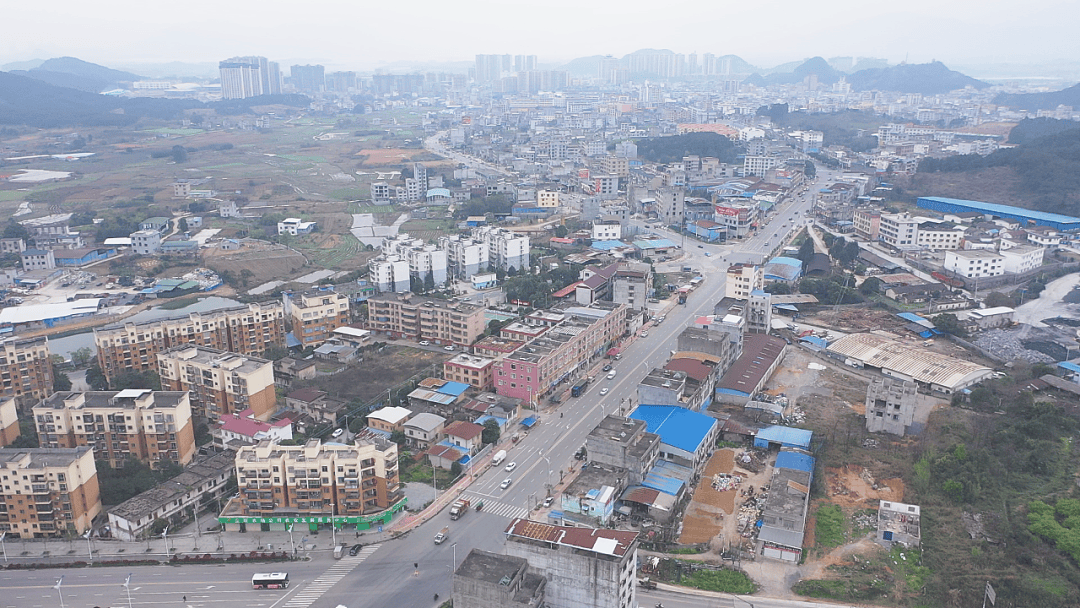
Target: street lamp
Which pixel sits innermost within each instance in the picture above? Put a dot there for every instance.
(454, 565)
(3, 544)
(292, 542)
(89, 549)
(57, 587)
(127, 587)
(333, 528)
(165, 535)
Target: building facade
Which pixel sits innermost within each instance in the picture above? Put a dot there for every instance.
(26, 373)
(220, 383)
(247, 330)
(898, 230)
(890, 405)
(441, 321)
(329, 479)
(974, 263)
(150, 426)
(315, 315)
(48, 492)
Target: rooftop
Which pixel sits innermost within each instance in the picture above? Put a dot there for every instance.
(239, 364)
(760, 351)
(676, 426)
(606, 542)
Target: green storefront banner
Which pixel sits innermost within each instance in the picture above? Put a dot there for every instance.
(338, 520)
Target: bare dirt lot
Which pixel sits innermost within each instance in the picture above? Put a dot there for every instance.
(266, 262)
(388, 156)
(855, 487)
(380, 371)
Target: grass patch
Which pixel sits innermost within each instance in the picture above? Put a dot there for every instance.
(725, 581)
(178, 303)
(301, 158)
(687, 551)
(12, 195)
(174, 131)
(830, 527)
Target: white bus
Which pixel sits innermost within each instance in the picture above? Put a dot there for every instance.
(272, 580)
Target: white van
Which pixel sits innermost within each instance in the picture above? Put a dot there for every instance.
(498, 457)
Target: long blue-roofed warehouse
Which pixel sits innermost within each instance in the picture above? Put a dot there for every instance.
(941, 204)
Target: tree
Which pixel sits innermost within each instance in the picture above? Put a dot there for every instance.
(778, 289)
(561, 231)
(429, 281)
(61, 382)
(15, 230)
(96, 378)
(811, 169)
(948, 323)
(491, 432)
(996, 298)
(806, 251)
(178, 154)
(398, 437)
(80, 357)
(181, 225)
(455, 469)
(870, 286)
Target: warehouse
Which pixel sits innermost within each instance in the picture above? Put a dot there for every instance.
(1064, 223)
(939, 373)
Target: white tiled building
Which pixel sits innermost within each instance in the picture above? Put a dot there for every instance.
(974, 263)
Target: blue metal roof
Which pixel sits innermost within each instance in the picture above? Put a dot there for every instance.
(661, 483)
(910, 316)
(654, 243)
(453, 388)
(940, 203)
(529, 422)
(786, 260)
(291, 341)
(676, 426)
(1070, 366)
(786, 436)
(606, 245)
(816, 341)
(796, 461)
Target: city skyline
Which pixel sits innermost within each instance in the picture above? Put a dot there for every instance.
(120, 32)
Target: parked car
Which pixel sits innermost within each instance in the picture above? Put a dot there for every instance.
(644, 334)
(355, 549)
(425, 343)
(337, 433)
(548, 501)
(449, 347)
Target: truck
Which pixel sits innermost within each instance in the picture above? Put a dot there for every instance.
(498, 457)
(459, 508)
(442, 535)
(646, 583)
(682, 298)
(578, 389)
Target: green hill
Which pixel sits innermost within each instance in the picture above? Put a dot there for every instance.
(1040, 101)
(924, 78)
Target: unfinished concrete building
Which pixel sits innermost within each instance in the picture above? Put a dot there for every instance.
(490, 580)
(898, 523)
(624, 443)
(890, 405)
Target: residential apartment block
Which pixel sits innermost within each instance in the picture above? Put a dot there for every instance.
(314, 315)
(470, 369)
(26, 373)
(867, 221)
(317, 478)
(584, 568)
(742, 279)
(404, 315)
(247, 330)
(1022, 258)
(9, 422)
(974, 263)
(939, 236)
(149, 426)
(220, 382)
(583, 335)
(898, 230)
(48, 492)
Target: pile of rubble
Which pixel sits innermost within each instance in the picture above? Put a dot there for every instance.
(750, 460)
(1006, 345)
(797, 416)
(722, 482)
(864, 519)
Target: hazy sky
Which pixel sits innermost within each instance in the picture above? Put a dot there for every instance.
(365, 34)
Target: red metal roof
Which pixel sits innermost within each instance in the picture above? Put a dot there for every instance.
(464, 430)
(581, 538)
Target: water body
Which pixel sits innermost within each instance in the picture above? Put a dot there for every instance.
(69, 344)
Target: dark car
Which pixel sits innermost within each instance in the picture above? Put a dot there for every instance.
(355, 549)
(607, 368)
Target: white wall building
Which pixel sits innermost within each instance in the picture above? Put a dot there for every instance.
(974, 263)
(145, 242)
(898, 230)
(1022, 258)
(606, 231)
(389, 273)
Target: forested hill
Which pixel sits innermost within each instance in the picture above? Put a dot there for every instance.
(673, 148)
(31, 102)
(1048, 169)
(1040, 101)
(925, 78)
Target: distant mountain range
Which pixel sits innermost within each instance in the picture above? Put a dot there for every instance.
(1041, 101)
(925, 78)
(78, 74)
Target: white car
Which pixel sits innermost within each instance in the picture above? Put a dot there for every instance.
(506, 483)
(548, 501)
(644, 334)
(449, 347)
(425, 343)
(604, 391)
(337, 433)
(511, 467)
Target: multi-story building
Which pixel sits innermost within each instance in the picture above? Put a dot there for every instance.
(465, 257)
(939, 236)
(561, 554)
(736, 219)
(547, 199)
(615, 165)
(584, 335)
(149, 426)
(26, 372)
(758, 312)
(890, 405)
(37, 259)
(867, 221)
(243, 77)
(974, 263)
(314, 315)
(632, 285)
(308, 78)
(133, 347)
(506, 249)
(606, 230)
(389, 273)
(624, 443)
(898, 230)
(317, 479)
(220, 382)
(9, 422)
(48, 492)
(404, 315)
(606, 185)
(758, 165)
(53, 232)
(670, 204)
(1022, 258)
(490, 580)
(468, 369)
(743, 279)
(145, 242)
(380, 193)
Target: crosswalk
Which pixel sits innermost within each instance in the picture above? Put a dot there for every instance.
(499, 508)
(306, 595)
